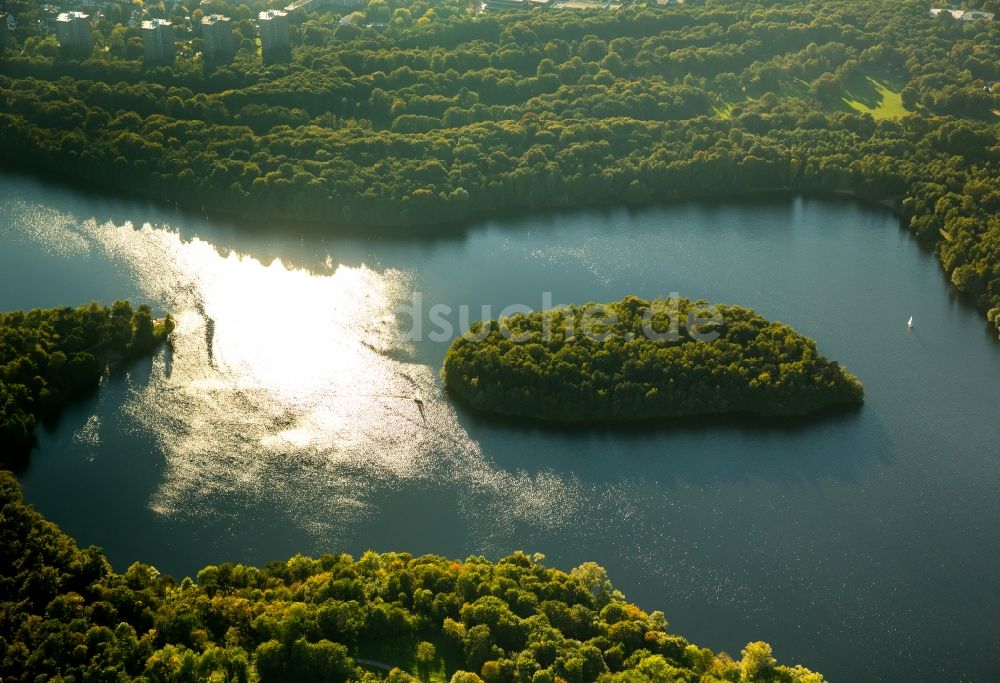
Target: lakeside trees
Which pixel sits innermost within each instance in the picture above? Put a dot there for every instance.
(446, 114)
(636, 359)
(48, 354)
(66, 615)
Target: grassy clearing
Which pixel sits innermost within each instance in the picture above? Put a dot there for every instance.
(876, 98)
(879, 96)
(402, 654)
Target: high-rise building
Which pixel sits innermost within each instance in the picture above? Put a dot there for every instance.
(273, 24)
(218, 37)
(158, 41)
(73, 31)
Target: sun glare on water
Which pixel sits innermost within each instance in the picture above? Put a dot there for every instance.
(291, 388)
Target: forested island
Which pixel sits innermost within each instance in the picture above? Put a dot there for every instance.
(412, 113)
(636, 359)
(46, 355)
(67, 616)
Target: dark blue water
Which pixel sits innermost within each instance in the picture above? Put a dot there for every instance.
(862, 544)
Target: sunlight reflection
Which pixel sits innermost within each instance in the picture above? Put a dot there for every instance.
(292, 389)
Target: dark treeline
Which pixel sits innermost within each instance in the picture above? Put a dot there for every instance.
(445, 114)
(48, 354)
(65, 615)
(635, 359)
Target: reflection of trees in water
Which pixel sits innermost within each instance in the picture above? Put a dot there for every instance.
(199, 305)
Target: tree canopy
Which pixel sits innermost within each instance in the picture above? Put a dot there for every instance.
(636, 359)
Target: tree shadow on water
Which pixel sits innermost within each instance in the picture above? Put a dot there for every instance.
(84, 401)
(834, 444)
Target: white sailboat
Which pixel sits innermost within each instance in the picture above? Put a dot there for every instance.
(909, 323)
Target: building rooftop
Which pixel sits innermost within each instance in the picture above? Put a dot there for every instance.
(269, 14)
(212, 19)
(963, 15)
(154, 23)
(71, 16)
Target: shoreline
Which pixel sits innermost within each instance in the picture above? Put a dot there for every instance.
(255, 219)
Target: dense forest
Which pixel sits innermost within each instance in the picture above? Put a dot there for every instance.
(66, 616)
(636, 359)
(412, 113)
(48, 354)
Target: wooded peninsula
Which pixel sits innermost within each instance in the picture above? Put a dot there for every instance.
(636, 359)
(47, 355)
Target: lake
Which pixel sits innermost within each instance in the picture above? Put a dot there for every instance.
(861, 544)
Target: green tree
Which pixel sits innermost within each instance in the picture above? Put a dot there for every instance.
(758, 662)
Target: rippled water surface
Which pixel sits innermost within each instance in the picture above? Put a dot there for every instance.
(289, 416)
